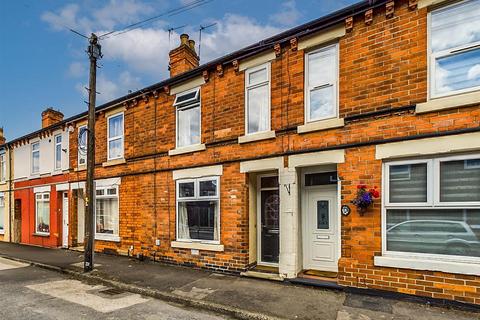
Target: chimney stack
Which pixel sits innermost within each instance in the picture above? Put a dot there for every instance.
(51, 117)
(2, 137)
(183, 58)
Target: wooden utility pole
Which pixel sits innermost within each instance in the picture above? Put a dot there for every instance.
(94, 53)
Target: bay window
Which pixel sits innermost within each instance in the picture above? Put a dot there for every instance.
(321, 84)
(35, 157)
(82, 145)
(42, 213)
(257, 99)
(188, 115)
(115, 137)
(454, 49)
(107, 213)
(2, 212)
(58, 152)
(198, 206)
(432, 207)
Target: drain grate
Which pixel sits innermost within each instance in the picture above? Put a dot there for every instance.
(112, 291)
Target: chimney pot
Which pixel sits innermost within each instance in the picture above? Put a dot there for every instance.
(191, 44)
(2, 136)
(184, 39)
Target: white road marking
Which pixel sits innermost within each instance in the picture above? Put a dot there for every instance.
(6, 264)
(77, 292)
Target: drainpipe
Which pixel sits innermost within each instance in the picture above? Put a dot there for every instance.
(10, 193)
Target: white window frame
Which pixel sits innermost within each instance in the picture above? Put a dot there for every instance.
(197, 198)
(31, 157)
(56, 144)
(433, 190)
(2, 205)
(309, 88)
(120, 137)
(82, 156)
(3, 166)
(43, 196)
(190, 103)
(386, 170)
(249, 86)
(442, 54)
(105, 195)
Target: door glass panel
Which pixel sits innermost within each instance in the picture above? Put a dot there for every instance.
(318, 179)
(270, 225)
(323, 219)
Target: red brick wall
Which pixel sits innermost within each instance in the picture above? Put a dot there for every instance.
(382, 65)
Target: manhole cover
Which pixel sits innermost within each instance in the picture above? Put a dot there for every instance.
(112, 291)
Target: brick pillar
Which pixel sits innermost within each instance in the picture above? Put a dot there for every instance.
(289, 223)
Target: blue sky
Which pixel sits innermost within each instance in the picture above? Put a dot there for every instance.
(44, 65)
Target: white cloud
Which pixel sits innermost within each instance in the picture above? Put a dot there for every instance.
(77, 69)
(474, 72)
(288, 14)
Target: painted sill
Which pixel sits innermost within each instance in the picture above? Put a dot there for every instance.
(104, 237)
(80, 168)
(428, 264)
(321, 125)
(114, 162)
(256, 137)
(450, 102)
(2, 232)
(198, 246)
(189, 149)
(42, 235)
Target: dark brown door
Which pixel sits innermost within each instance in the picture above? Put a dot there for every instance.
(17, 221)
(270, 227)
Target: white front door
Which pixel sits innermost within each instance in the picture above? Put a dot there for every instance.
(65, 220)
(320, 229)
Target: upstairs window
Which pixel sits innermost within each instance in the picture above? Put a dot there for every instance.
(35, 157)
(2, 212)
(257, 99)
(198, 205)
(321, 85)
(187, 106)
(42, 213)
(82, 145)
(58, 152)
(455, 49)
(115, 137)
(3, 167)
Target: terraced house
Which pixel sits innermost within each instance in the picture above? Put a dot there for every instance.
(345, 150)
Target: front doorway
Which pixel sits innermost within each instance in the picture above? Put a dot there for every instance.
(320, 222)
(268, 220)
(65, 220)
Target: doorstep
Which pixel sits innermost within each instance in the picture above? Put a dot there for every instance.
(262, 275)
(317, 279)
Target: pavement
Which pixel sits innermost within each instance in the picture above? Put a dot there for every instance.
(222, 294)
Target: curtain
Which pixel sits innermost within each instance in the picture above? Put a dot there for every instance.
(217, 222)
(460, 181)
(43, 216)
(188, 126)
(183, 229)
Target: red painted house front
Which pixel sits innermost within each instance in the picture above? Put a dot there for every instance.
(34, 198)
(41, 188)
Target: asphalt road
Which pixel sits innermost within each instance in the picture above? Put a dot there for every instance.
(28, 292)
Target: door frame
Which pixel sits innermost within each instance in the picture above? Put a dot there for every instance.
(259, 218)
(303, 194)
(65, 217)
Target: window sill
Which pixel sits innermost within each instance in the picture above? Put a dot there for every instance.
(444, 103)
(198, 246)
(3, 183)
(114, 162)
(256, 137)
(106, 237)
(2, 232)
(41, 235)
(188, 149)
(321, 125)
(80, 168)
(428, 264)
